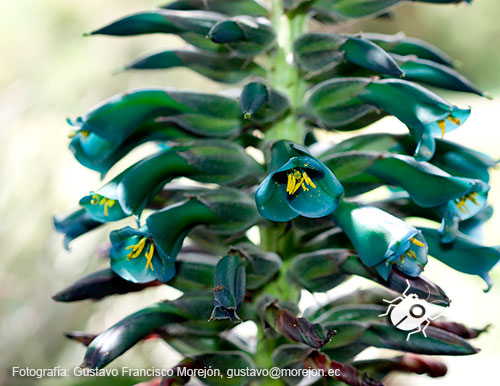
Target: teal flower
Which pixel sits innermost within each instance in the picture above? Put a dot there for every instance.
(130, 192)
(149, 253)
(463, 208)
(99, 154)
(456, 198)
(382, 240)
(108, 131)
(298, 184)
(135, 257)
(426, 114)
(339, 102)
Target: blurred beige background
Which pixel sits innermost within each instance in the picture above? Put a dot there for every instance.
(48, 72)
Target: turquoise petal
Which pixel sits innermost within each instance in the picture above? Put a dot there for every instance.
(271, 202)
(319, 201)
(464, 254)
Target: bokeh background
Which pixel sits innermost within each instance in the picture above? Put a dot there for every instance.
(48, 72)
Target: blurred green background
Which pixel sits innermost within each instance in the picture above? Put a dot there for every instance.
(48, 72)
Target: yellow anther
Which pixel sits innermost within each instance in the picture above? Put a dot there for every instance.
(291, 184)
(101, 200)
(411, 254)
(461, 205)
(136, 249)
(417, 242)
(298, 185)
(149, 257)
(95, 199)
(84, 133)
(472, 197)
(309, 181)
(298, 179)
(108, 204)
(442, 126)
(402, 257)
(454, 120)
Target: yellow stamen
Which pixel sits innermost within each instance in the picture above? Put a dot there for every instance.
(472, 197)
(462, 201)
(417, 242)
(442, 126)
(95, 199)
(149, 257)
(298, 179)
(461, 205)
(309, 181)
(84, 133)
(101, 200)
(454, 120)
(136, 249)
(291, 183)
(298, 185)
(402, 257)
(108, 204)
(411, 254)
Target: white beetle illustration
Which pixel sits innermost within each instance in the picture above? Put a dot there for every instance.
(410, 314)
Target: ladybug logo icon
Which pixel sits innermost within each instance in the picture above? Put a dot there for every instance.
(410, 314)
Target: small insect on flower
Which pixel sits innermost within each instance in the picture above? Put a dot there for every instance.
(410, 314)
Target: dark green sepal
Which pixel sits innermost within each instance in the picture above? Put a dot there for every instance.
(320, 52)
(435, 74)
(244, 35)
(402, 45)
(220, 67)
(231, 8)
(192, 26)
(99, 285)
(262, 104)
(126, 333)
(229, 288)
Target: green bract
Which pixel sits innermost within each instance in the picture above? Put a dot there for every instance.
(243, 209)
(298, 185)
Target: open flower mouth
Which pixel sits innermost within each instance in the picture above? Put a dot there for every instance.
(461, 202)
(449, 121)
(442, 124)
(411, 253)
(300, 185)
(105, 202)
(469, 205)
(138, 249)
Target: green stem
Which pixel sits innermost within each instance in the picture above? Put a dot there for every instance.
(284, 76)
